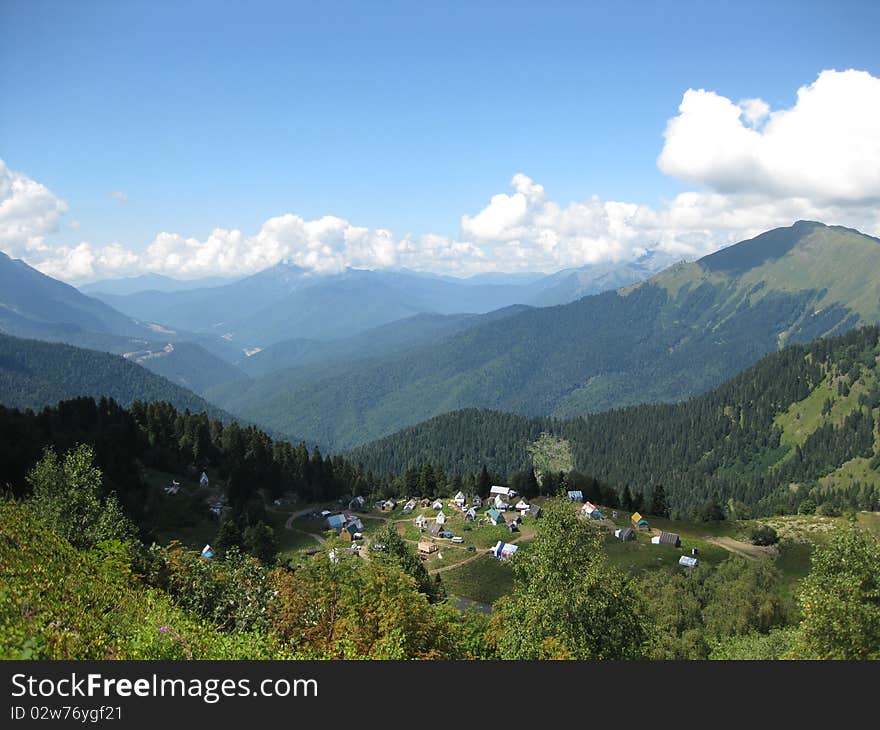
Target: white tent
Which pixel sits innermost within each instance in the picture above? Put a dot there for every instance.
(503, 550)
(500, 503)
(203, 480)
(437, 504)
(471, 515)
(440, 519)
(459, 499)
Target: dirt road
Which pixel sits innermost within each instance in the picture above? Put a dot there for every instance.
(743, 549)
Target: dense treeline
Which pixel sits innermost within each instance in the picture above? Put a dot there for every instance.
(249, 466)
(248, 463)
(724, 445)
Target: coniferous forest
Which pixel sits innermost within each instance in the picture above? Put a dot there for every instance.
(727, 445)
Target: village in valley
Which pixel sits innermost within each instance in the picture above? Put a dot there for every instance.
(468, 539)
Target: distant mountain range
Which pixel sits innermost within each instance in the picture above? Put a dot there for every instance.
(342, 359)
(214, 334)
(286, 302)
(678, 334)
(151, 282)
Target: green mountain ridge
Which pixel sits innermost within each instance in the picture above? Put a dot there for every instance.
(34, 374)
(680, 333)
(801, 423)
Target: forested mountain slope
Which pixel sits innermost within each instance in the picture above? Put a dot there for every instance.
(34, 374)
(681, 333)
(802, 423)
(386, 340)
(30, 299)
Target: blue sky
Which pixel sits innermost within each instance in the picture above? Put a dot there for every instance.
(403, 116)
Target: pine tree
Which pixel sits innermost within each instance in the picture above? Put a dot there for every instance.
(484, 482)
(228, 536)
(659, 506)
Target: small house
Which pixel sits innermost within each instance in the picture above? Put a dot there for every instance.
(575, 495)
(477, 502)
(639, 521)
(522, 506)
(471, 515)
(203, 480)
(500, 503)
(495, 516)
(503, 550)
(207, 552)
(388, 505)
(625, 534)
(349, 532)
(409, 507)
(687, 561)
(434, 529)
(667, 538)
(502, 492)
(592, 511)
(440, 519)
(427, 546)
(421, 522)
(437, 504)
(459, 499)
(357, 503)
(335, 522)
(534, 510)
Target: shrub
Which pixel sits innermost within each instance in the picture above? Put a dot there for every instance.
(764, 535)
(826, 509)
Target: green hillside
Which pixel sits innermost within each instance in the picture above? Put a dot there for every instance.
(681, 333)
(800, 424)
(34, 374)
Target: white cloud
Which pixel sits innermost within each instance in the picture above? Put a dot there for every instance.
(119, 195)
(28, 211)
(754, 168)
(826, 148)
(754, 111)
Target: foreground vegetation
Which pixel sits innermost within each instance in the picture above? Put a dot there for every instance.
(80, 585)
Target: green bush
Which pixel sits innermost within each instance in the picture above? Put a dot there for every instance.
(764, 535)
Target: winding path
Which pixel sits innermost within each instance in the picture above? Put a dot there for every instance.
(288, 525)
